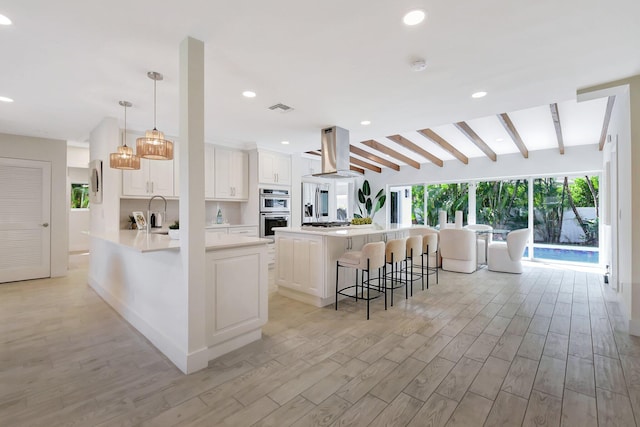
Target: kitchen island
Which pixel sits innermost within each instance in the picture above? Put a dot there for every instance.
(306, 258)
(141, 275)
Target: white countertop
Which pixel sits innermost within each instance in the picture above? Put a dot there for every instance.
(142, 241)
(347, 231)
(226, 225)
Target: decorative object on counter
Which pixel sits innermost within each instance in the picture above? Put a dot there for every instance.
(125, 158)
(174, 230)
(132, 223)
(153, 145)
(458, 219)
(368, 205)
(141, 223)
(442, 219)
(361, 221)
(219, 219)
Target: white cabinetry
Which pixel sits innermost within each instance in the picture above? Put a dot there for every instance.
(153, 177)
(310, 166)
(303, 267)
(209, 176)
(274, 168)
(246, 231)
(231, 174)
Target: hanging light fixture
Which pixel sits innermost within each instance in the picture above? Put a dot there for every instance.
(124, 158)
(153, 145)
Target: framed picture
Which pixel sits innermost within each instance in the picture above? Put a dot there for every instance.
(141, 223)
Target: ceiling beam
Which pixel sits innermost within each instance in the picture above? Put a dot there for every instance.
(386, 150)
(556, 123)
(401, 140)
(315, 153)
(513, 133)
(431, 135)
(356, 169)
(364, 164)
(607, 119)
(473, 137)
(367, 155)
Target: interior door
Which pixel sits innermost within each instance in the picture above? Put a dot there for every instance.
(25, 236)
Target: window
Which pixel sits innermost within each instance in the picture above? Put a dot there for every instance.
(79, 196)
(503, 204)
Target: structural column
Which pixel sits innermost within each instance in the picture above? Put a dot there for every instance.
(192, 206)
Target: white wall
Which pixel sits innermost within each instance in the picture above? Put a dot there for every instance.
(55, 152)
(77, 157)
(105, 217)
(624, 155)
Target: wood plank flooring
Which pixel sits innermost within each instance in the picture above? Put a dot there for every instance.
(545, 348)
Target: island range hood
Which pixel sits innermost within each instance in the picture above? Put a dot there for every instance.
(335, 154)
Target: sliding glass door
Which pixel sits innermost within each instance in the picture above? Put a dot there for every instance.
(565, 210)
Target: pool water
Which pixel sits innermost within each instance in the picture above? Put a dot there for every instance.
(562, 254)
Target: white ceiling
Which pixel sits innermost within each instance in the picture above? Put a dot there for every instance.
(67, 64)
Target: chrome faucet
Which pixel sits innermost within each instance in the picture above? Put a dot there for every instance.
(164, 214)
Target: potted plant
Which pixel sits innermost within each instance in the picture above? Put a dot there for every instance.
(174, 230)
(368, 206)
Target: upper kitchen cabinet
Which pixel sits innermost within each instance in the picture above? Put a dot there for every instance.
(309, 166)
(274, 168)
(231, 174)
(209, 175)
(154, 176)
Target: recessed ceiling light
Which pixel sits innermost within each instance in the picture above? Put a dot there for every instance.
(284, 142)
(480, 94)
(499, 139)
(365, 122)
(248, 94)
(414, 17)
(5, 99)
(4, 20)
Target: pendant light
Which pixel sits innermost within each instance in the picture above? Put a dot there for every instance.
(153, 145)
(124, 158)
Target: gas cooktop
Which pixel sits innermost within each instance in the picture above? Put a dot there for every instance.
(328, 224)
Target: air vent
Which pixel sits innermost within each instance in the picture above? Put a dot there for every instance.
(281, 108)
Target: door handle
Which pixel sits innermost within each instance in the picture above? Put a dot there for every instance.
(45, 225)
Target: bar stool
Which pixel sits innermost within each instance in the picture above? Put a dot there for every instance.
(429, 248)
(396, 252)
(414, 249)
(370, 257)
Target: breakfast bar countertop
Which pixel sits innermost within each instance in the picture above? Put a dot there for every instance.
(141, 241)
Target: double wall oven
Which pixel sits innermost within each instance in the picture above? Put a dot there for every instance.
(275, 211)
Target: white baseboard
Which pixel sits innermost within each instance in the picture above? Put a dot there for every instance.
(173, 352)
(634, 327)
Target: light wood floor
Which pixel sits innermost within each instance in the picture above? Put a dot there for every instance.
(547, 347)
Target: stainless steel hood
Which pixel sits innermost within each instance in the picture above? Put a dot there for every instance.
(335, 154)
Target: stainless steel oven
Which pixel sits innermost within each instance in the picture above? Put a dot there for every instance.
(270, 220)
(274, 200)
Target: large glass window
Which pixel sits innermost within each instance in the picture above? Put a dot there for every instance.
(566, 218)
(503, 204)
(447, 197)
(79, 196)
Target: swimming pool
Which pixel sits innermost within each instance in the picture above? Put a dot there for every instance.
(559, 253)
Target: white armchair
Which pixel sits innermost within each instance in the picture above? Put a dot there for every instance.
(506, 256)
(483, 240)
(458, 250)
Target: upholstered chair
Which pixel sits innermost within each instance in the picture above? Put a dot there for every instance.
(458, 248)
(506, 256)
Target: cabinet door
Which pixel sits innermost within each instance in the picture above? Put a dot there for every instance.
(248, 231)
(222, 172)
(266, 168)
(161, 177)
(136, 182)
(239, 175)
(209, 175)
(283, 170)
